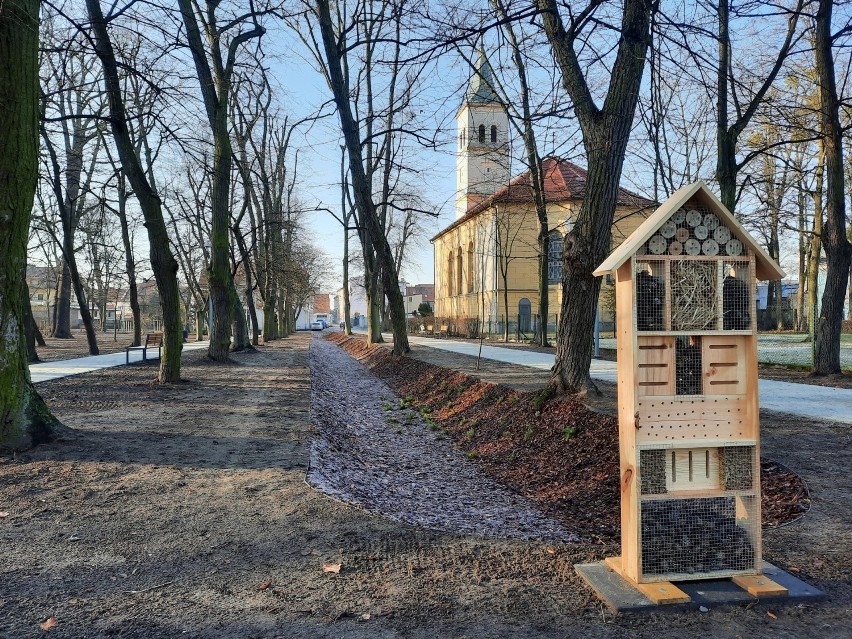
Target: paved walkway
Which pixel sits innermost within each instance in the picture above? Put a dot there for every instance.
(63, 368)
(806, 400)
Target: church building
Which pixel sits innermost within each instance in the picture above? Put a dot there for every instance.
(486, 260)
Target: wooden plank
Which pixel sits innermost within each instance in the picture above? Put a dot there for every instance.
(760, 586)
(725, 363)
(627, 346)
(660, 592)
(655, 363)
(692, 469)
(675, 419)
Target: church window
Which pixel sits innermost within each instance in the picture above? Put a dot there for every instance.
(459, 271)
(493, 133)
(470, 273)
(482, 133)
(554, 258)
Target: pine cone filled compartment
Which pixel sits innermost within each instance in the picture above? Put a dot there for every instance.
(698, 538)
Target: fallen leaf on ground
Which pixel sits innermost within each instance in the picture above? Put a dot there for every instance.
(4, 514)
(771, 615)
(793, 569)
(365, 616)
(335, 568)
(48, 623)
(265, 585)
(551, 551)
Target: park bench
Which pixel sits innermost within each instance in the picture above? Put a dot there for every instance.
(430, 329)
(151, 340)
(444, 331)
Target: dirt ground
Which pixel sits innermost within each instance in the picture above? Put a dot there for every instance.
(57, 349)
(182, 511)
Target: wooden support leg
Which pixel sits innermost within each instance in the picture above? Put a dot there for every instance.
(660, 592)
(760, 586)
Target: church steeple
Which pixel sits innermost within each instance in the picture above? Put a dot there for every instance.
(482, 157)
(481, 87)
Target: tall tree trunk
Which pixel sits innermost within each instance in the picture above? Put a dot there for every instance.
(163, 263)
(606, 132)
(24, 417)
(129, 263)
(200, 317)
(800, 298)
(726, 141)
(30, 328)
(62, 306)
(837, 247)
(815, 253)
(244, 256)
(347, 303)
(85, 313)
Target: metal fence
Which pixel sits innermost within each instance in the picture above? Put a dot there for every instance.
(792, 346)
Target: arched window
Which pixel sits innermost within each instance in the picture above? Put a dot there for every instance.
(524, 315)
(459, 271)
(494, 133)
(482, 133)
(450, 275)
(554, 258)
(471, 276)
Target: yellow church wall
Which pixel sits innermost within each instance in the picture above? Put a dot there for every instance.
(517, 228)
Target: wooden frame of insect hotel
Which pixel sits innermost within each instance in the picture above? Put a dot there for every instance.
(689, 435)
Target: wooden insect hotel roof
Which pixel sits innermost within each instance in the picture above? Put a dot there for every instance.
(765, 267)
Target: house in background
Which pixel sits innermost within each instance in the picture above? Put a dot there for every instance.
(416, 295)
(357, 303)
(41, 281)
(486, 261)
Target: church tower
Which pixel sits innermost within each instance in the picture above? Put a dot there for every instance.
(482, 158)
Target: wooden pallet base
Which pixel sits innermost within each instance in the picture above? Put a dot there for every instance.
(665, 592)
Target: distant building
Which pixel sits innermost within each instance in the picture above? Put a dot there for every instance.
(41, 282)
(416, 295)
(357, 303)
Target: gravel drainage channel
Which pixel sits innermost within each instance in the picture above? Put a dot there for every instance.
(371, 451)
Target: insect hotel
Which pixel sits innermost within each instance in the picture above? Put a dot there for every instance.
(689, 434)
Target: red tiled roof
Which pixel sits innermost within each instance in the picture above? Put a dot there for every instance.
(563, 180)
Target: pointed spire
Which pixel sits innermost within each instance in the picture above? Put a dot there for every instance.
(480, 90)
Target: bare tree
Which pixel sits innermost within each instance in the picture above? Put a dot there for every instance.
(214, 65)
(606, 131)
(162, 260)
(371, 136)
(25, 420)
(838, 250)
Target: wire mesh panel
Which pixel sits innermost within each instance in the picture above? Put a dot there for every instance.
(652, 471)
(693, 538)
(736, 467)
(694, 291)
(688, 368)
(650, 282)
(737, 296)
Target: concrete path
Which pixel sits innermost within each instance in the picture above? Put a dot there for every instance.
(63, 368)
(806, 400)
